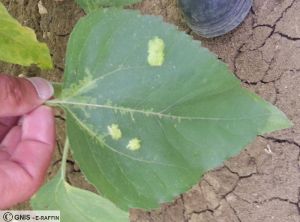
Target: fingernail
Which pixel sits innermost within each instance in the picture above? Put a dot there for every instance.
(43, 88)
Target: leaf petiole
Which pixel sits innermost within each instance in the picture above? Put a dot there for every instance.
(57, 88)
(64, 159)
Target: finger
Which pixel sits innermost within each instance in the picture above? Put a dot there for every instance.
(3, 155)
(16, 185)
(28, 164)
(10, 142)
(6, 124)
(37, 142)
(19, 95)
(12, 139)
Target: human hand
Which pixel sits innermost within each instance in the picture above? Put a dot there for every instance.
(27, 137)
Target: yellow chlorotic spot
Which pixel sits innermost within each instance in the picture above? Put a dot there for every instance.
(156, 55)
(134, 144)
(114, 131)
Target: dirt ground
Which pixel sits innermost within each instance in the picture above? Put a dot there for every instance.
(262, 184)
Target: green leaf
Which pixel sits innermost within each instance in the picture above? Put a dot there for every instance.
(76, 205)
(178, 116)
(89, 5)
(18, 44)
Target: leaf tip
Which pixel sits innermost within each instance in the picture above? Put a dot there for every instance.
(277, 121)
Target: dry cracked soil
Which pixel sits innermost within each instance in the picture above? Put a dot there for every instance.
(262, 183)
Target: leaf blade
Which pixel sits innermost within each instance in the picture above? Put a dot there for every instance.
(90, 5)
(19, 45)
(189, 113)
(76, 204)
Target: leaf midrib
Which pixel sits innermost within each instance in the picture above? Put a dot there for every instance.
(67, 104)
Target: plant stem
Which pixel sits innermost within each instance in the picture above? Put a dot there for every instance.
(52, 103)
(64, 159)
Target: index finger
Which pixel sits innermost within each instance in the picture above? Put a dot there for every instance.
(23, 173)
(37, 142)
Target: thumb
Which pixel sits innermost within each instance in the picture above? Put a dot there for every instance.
(19, 95)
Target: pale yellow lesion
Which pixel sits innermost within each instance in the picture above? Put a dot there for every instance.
(156, 54)
(134, 144)
(114, 131)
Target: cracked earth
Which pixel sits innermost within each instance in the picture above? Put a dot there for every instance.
(262, 183)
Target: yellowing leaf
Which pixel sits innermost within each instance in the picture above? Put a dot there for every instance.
(18, 44)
